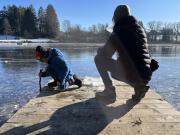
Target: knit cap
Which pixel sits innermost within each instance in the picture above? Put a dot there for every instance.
(40, 52)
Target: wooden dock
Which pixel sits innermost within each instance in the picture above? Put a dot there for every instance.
(83, 112)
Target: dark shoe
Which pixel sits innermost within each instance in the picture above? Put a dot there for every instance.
(108, 95)
(52, 84)
(109, 91)
(140, 92)
(77, 81)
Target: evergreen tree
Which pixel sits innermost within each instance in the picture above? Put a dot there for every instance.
(29, 24)
(41, 22)
(13, 16)
(52, 23)
(3, 15)
(6, 27)
(21, 12)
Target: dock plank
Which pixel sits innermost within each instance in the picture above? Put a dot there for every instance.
(82, 112)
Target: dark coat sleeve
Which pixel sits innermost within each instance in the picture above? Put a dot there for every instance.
(108, 50)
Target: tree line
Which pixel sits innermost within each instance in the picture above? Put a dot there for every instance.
(157, 32)
(163, 32)
(25, 22)
(77, 33)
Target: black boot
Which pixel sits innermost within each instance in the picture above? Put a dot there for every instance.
(52, 84)
(77, 81)
(108, 95)
(140, 92)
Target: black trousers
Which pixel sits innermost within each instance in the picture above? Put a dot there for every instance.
(107, 67)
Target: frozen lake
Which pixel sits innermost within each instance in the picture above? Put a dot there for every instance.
(19, 69)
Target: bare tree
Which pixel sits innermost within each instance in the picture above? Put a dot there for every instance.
(93, 29)
(154, 29)
(66, 25)
(101, 27)
(167, 32)
(176, 29)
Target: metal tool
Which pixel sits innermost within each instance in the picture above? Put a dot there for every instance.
(40, 80)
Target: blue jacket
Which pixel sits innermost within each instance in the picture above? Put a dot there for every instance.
(57, 67)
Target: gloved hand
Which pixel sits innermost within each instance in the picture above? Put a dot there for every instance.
(40, 73)
(154, 65)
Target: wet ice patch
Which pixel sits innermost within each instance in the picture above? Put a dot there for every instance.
(7, 110)
(10, 108)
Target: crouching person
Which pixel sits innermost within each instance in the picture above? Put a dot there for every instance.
(134, 64)
(57, 68)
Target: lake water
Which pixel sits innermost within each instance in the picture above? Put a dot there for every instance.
(19, 80)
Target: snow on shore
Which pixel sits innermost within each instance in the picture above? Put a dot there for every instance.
(26, 42)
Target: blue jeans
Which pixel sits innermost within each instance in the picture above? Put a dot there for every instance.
(67, 81)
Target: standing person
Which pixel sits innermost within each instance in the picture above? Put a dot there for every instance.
(57, 68)
(133, 65)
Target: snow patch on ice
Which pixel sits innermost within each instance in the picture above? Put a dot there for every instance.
(92, 81)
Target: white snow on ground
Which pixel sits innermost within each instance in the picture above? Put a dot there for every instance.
(26, 40)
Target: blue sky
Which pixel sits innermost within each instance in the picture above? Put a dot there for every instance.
(88, 12)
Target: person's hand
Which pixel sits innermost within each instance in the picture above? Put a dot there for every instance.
(40, 74)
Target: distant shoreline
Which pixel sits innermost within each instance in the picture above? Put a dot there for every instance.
(30, 43)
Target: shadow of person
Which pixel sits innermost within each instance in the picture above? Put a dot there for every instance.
(88, 117)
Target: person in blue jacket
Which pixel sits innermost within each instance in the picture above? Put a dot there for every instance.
(57, 68)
